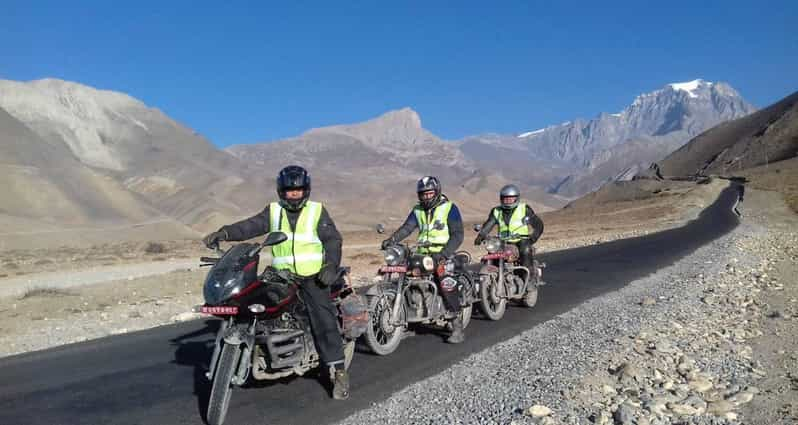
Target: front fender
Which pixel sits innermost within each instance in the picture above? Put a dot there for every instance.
(380, 288)
(237, 335)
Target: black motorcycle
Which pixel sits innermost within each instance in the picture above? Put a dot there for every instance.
(503, 278)
(408, 294)
(265, 330)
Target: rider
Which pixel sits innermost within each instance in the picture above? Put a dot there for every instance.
(509, 215)
(439, 223)
(312, 251)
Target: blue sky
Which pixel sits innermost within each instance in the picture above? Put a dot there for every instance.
(242, 72)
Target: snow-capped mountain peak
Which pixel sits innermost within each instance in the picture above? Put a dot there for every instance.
(691, 86)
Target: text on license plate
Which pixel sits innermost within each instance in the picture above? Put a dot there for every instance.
(393, 269)
(218, 309)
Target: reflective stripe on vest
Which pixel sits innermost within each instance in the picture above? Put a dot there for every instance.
(302, 253)
(516, 225)
(426, 232)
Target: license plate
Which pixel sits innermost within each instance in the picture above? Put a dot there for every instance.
(222, 310)
(393, 269)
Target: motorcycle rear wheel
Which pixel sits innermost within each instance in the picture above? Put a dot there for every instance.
(222, 387)
(379, 340)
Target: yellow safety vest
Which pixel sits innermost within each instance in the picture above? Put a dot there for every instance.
(302, 253)
(516, 225)
(426, 232)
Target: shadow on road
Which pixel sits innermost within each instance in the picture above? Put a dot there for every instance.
(197, 353)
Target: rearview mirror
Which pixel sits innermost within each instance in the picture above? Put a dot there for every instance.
(380, 228)
(477, 227)
(274, 238)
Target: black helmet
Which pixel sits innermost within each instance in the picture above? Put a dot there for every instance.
(425, 184)
(293, 177)
(509, 191)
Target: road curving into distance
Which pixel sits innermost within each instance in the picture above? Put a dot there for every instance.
(157, 376)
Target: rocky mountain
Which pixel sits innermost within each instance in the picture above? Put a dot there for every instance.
(576, 157)
(81, 158)
(75, 157)
(368, 170)
(154, 158)
(766, 136)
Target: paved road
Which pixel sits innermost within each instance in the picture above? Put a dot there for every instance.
(156, 376)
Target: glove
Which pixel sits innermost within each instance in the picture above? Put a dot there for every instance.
(388, 242)
(214, 238)
(479, 239)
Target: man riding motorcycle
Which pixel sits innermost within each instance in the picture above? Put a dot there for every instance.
(440, 225)
(509, 215)
(312, 251)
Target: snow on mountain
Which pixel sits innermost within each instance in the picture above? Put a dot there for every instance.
(690, 86)
(531, 133)
(658, 122)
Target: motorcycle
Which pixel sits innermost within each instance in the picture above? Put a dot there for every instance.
(265, 330)
(503, 278)
(408, 294)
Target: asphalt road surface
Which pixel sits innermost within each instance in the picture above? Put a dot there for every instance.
(157, 376)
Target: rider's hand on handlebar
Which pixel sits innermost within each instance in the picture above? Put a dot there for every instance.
(388, 242)
(479, 239)
(213, 239)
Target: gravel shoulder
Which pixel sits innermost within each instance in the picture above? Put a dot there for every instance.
(711, 339)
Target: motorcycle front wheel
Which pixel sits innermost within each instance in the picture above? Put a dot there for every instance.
(382, 337)
(531, 297)
(222, 387)
(491, 304)
(349, 353)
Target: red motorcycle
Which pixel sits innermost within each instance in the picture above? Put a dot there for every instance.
(503, 278)
(265, 330)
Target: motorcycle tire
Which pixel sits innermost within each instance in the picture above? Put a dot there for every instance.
(531, 297)
(377, 339)
(349, 353)
(491, 310)
(222, 387)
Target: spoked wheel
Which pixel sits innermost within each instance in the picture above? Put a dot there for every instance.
(382, 336)
(222, 387)
(491, 304)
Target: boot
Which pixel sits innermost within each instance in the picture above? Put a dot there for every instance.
(457, 335)
(340, 380)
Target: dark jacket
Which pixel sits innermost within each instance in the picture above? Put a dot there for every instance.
(331, 239)
(455, 223)
(534, 221)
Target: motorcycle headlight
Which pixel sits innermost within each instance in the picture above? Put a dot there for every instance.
(393, 256)
(428, 263)
(493, 245)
